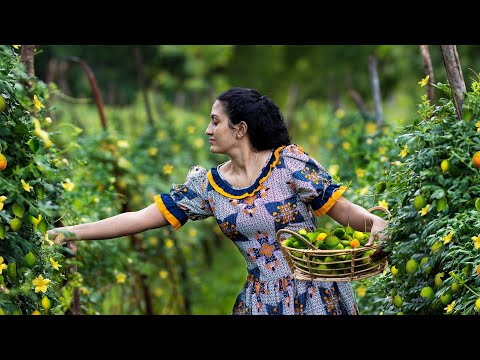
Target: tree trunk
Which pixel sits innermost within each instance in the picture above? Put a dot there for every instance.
(454, 76)
(373, 70)
(93, 85)
(356, 97)
(427, 62)
(26, 56)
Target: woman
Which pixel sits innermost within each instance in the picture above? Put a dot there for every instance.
(268, 184)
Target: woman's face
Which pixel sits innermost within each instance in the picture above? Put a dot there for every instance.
(221, 135)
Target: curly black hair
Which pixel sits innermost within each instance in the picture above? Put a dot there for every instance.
(266, 126)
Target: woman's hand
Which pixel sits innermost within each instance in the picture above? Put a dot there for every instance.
(59, 236)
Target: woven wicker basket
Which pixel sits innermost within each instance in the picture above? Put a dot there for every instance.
(342, 265)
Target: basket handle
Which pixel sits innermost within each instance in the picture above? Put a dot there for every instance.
(298, 236)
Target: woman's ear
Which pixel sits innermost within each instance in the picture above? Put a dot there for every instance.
(242, 128)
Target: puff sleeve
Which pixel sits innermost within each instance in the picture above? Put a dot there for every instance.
(186, 201)
(312, 183)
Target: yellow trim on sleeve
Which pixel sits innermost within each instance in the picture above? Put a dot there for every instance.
(333, 199)
(168, 215)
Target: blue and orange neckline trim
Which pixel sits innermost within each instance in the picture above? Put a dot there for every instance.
(225, 189)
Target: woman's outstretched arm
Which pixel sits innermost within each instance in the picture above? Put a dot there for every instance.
(124, 224)
(348, 213)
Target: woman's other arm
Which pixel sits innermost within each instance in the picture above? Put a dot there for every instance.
(124, 224)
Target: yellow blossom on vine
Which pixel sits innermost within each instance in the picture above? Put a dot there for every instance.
(424, 81)
(2, 265)
(152, 151)
(361, 291)
(37, 103)
(404, 151)
(447, 238)
(476, 87)
(123, 144)
(346, 145)
(168, 243)
(476, 241)
(477, 124)
(121, 278)
(383, 203)
(84, 290)
(55, 264)
(2, 200)
(364, 190)
(167, 169)
(26, 187)
(449, 307)
(68, 185)
(360, 172)
(163, 274)
(40, 284)
(424, 211)
(333, 169)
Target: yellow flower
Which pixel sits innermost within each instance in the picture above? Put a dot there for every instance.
(68, 185)
(2, 200)
(167, 169)
(158, 292)
(404, 151)
(152, 151)
(342, 132)
(163, 274)
(16, 46)
(168, 243)
(382, 150)
(123, 144)
(424, 211)
(449, 308)
(477, 124)
(2, 265)
(192, 233)
(40, 284)
(47, 239)
(447, 238)
(476, 241)
(361, 291)
(198, 143)
(360, 172)
(37, 103)
(36, 312)
(370, 128)
(26, 186)
(55, 264)
(424, 81)
(383, 203)
(191, 130)
(346, 145)
(48, 120)
(364, 190)
(329, 145)
(121, 278)
(84, 290)
(161, 135)
(383, 159)
(369, 141)
(333, 169)
(340, 113)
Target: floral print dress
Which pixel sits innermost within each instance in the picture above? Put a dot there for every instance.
(290, 192)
